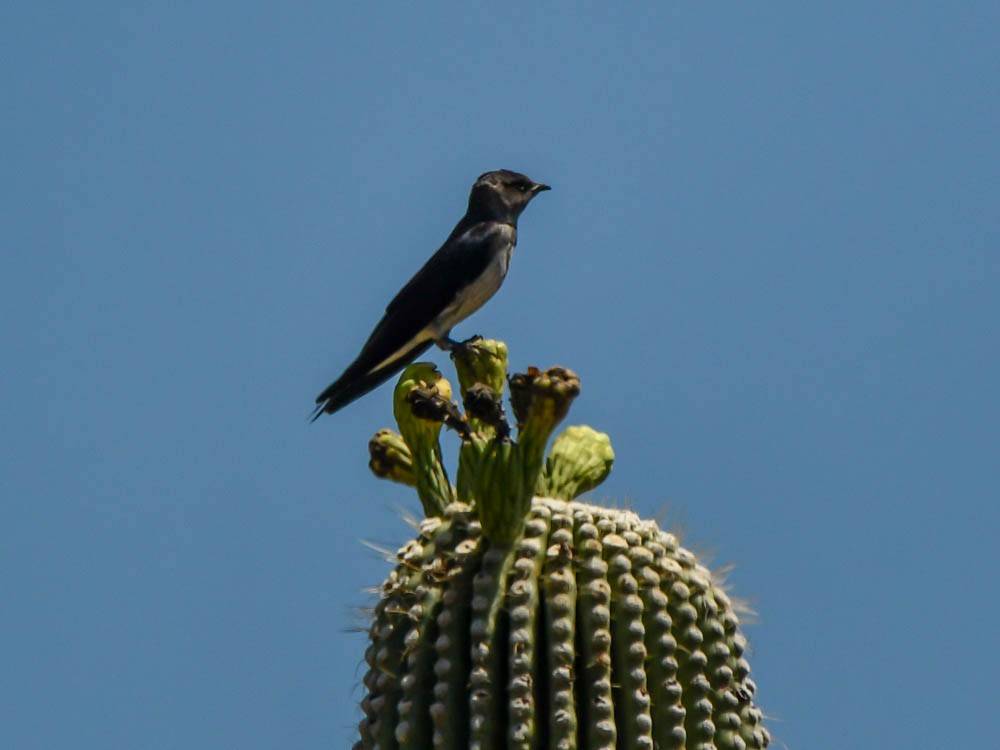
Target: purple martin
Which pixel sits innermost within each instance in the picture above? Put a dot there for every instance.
(457, 280)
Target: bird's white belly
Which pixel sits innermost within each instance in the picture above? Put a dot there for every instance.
(473, 296)
(469, 299)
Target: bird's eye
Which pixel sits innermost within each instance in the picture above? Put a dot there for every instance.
(522, 187)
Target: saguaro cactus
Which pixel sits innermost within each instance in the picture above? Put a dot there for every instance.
(521, 618)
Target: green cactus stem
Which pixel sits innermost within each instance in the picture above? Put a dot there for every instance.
(595, 630)
(523, 619)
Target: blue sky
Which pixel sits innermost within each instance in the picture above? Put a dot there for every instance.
(770, 252)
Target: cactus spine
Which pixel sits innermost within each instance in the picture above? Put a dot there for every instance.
(521, 618)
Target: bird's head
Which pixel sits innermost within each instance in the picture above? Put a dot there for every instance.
(504, 192)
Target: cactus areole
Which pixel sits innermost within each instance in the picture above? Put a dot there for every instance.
(521, 618)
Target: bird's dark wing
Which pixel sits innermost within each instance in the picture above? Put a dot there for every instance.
(395, 341)
(461, 260)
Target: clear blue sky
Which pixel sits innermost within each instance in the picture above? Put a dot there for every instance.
(770, 252)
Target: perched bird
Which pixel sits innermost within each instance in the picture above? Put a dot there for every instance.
(457, 280)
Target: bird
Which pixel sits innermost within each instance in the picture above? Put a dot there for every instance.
(459, 278)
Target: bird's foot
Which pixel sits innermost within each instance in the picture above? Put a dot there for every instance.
(450, 345)
(471, 341)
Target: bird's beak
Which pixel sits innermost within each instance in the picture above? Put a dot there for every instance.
(539, 188)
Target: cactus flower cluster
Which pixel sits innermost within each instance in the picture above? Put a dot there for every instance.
(522, 618)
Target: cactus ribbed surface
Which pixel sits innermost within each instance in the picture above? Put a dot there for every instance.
(521, 621)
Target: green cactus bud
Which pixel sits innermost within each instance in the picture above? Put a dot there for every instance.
(485, 409)
(421, 434)
(481, 362)
(594, 630)
(580, 459)
(390, 458)
(544, 400)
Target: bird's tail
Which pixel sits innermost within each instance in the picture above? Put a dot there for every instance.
(352, 385)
